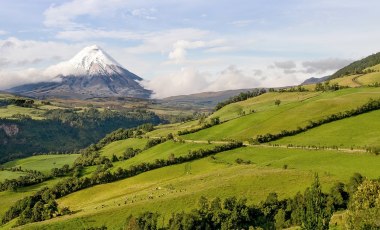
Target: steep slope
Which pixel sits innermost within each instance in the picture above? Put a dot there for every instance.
(90, 73)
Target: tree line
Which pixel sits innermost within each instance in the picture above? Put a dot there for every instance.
(241, 97)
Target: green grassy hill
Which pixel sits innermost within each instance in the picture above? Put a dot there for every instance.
(355, 132)
(117, 148)
(177, 188)
(293, 113)
(42, 163)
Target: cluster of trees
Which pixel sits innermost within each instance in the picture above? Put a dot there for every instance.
(94, 117)
(327, 87)
(369, 106)
(240, 97)
(38, 207)
(311, 210)
(299, 88)
(376, 84)
(20, 102)
(213, 121)
(104, 175)
(60, 172)
(358, 67)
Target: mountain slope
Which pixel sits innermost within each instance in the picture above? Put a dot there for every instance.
(90, 73)
(357, 67)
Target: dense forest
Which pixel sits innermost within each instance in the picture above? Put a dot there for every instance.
(357, 67)
(64, 130)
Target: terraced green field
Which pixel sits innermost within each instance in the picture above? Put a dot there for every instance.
(162, 151)
(164, 130)
(287, 116)
(5, 174)
(355, 132)
(43, 163)
(118, 147)
(178, 187)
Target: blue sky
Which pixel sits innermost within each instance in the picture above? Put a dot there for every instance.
(182, 47)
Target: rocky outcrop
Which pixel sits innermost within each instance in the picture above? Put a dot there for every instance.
(10, 130)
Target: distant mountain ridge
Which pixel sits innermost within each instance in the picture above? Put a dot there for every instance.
(90, 73)
(314, 80)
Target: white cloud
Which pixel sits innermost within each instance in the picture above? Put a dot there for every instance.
(3, 32)
(11, 79)
(186, 81)
(232, 78)
(190, 80)
(30, 53)
(180, 47)
(64, 15)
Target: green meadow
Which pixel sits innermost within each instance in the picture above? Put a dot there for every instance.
(162, 151)
(5, 174)
(355, 132)
(117, 148)
(43, 163)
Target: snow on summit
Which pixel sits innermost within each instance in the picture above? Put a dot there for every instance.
(90, 61)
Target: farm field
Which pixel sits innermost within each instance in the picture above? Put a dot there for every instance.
(162, 151)
(43, 163)
(355, 132)
(5, 174)
(117, 148)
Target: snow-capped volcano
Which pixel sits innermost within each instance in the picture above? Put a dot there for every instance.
(90, 73)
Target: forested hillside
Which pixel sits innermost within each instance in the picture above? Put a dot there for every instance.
(358, 67)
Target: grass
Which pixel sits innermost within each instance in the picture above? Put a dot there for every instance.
(5, 174)
(370, 78)
(43, 163)
(164, 130)
(346, 81)
(8, 111)
(118, 147)
(177, 188)
(289, 115)
(162, 151)
(357, 132)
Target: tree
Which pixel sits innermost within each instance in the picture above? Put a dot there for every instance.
(364, 208)
(316, 214)
(277, 102)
